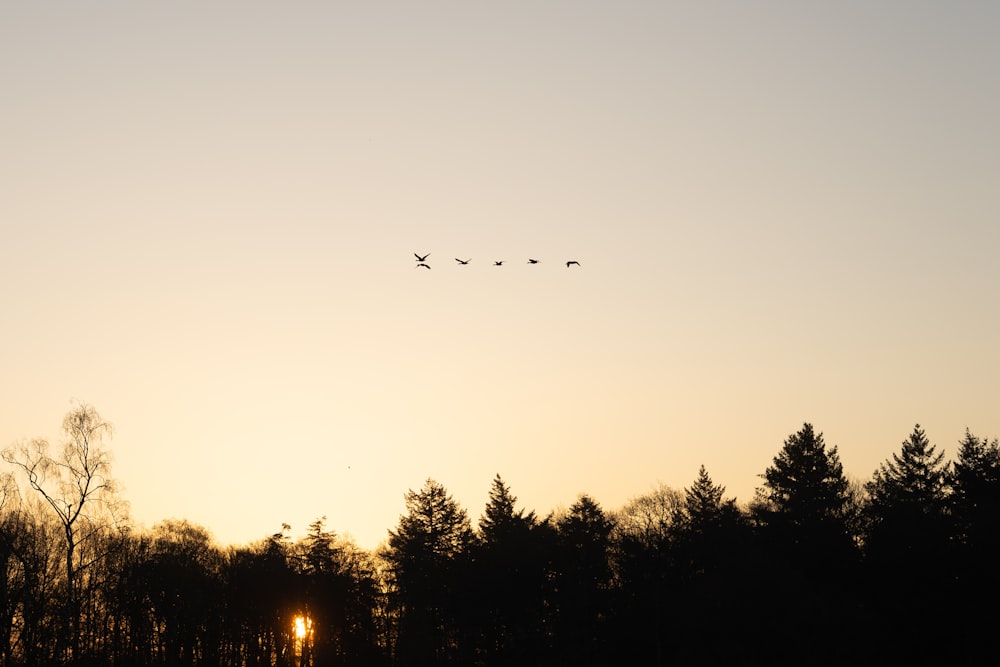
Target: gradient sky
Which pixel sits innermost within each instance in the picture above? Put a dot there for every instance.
(784, 212)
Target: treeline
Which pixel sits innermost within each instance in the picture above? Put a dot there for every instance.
(815, 570)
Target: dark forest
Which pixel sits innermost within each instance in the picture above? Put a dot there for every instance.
(815, 570)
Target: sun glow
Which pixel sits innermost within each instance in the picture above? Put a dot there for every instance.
(302, 626)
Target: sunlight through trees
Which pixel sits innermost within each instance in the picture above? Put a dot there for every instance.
(673, 577)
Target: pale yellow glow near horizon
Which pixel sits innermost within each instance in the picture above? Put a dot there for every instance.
(784, 212)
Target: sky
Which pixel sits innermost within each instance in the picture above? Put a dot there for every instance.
(784, 212)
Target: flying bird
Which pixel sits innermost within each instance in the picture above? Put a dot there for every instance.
(421, 264)
(532, 261)
(572, 262)
(500, 263)
(421, 259)
(463, 262)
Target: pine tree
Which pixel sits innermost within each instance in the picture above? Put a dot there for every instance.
(708, 526)
(427, 553)
(907, 509)
(907, 550)
(318, 553)
(508, 582)
(975, 512)
(501, 519)
(583, 578)
(806, 484)
(915, 478)
(435, 529)
(975, 487)
(704, 509)
(907, 505)
(712, 558)
(806, 555)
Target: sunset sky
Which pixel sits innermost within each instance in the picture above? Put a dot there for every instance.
(784, 212)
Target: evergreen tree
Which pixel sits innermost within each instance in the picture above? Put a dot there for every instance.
(427, 553)
(802, 505)
(509, 580)
(912, 480)
(975, 496)
(713, 555)
(907, 548)
(326, 595)
(318, 553)
(704, 510)
(806, 557)
(806, 483)
(500, 519)
(907, 505)
(975, 513)
(908, 494)
(709, 526)
(583, 580)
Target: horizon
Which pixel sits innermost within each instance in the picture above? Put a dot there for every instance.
(298, 531)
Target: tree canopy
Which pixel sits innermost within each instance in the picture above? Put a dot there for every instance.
(813, 569)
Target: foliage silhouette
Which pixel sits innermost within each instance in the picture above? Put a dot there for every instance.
(428, 554)
(805, 555)
(582, 596)
(908, 543)
(78, 489)
(816, 571)
(509, 581)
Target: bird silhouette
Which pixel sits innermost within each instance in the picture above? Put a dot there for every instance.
(532, 261)
(463, 262)
(421, 259)
(500, 263)
(572, 262)
(422, 264)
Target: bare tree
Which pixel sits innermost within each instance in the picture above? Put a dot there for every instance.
(77, 486)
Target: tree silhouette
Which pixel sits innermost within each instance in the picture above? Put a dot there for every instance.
(803, 500)
(709, 528)
(912, 480)
(705, 512)
(714, 559)
(807, 557)
(427, 552)
(78, 488)
(500, 519)
(975, 514)
(262, 598)
(184, 592)
(975, 498)
(907, 547)
(28, 543)
(673, 577)
(647, 574)
(338, 599)
(583, 582)
(806, 482)
(509, 580)
(133, 635)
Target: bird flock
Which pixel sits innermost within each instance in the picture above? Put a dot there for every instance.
(422, 262)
